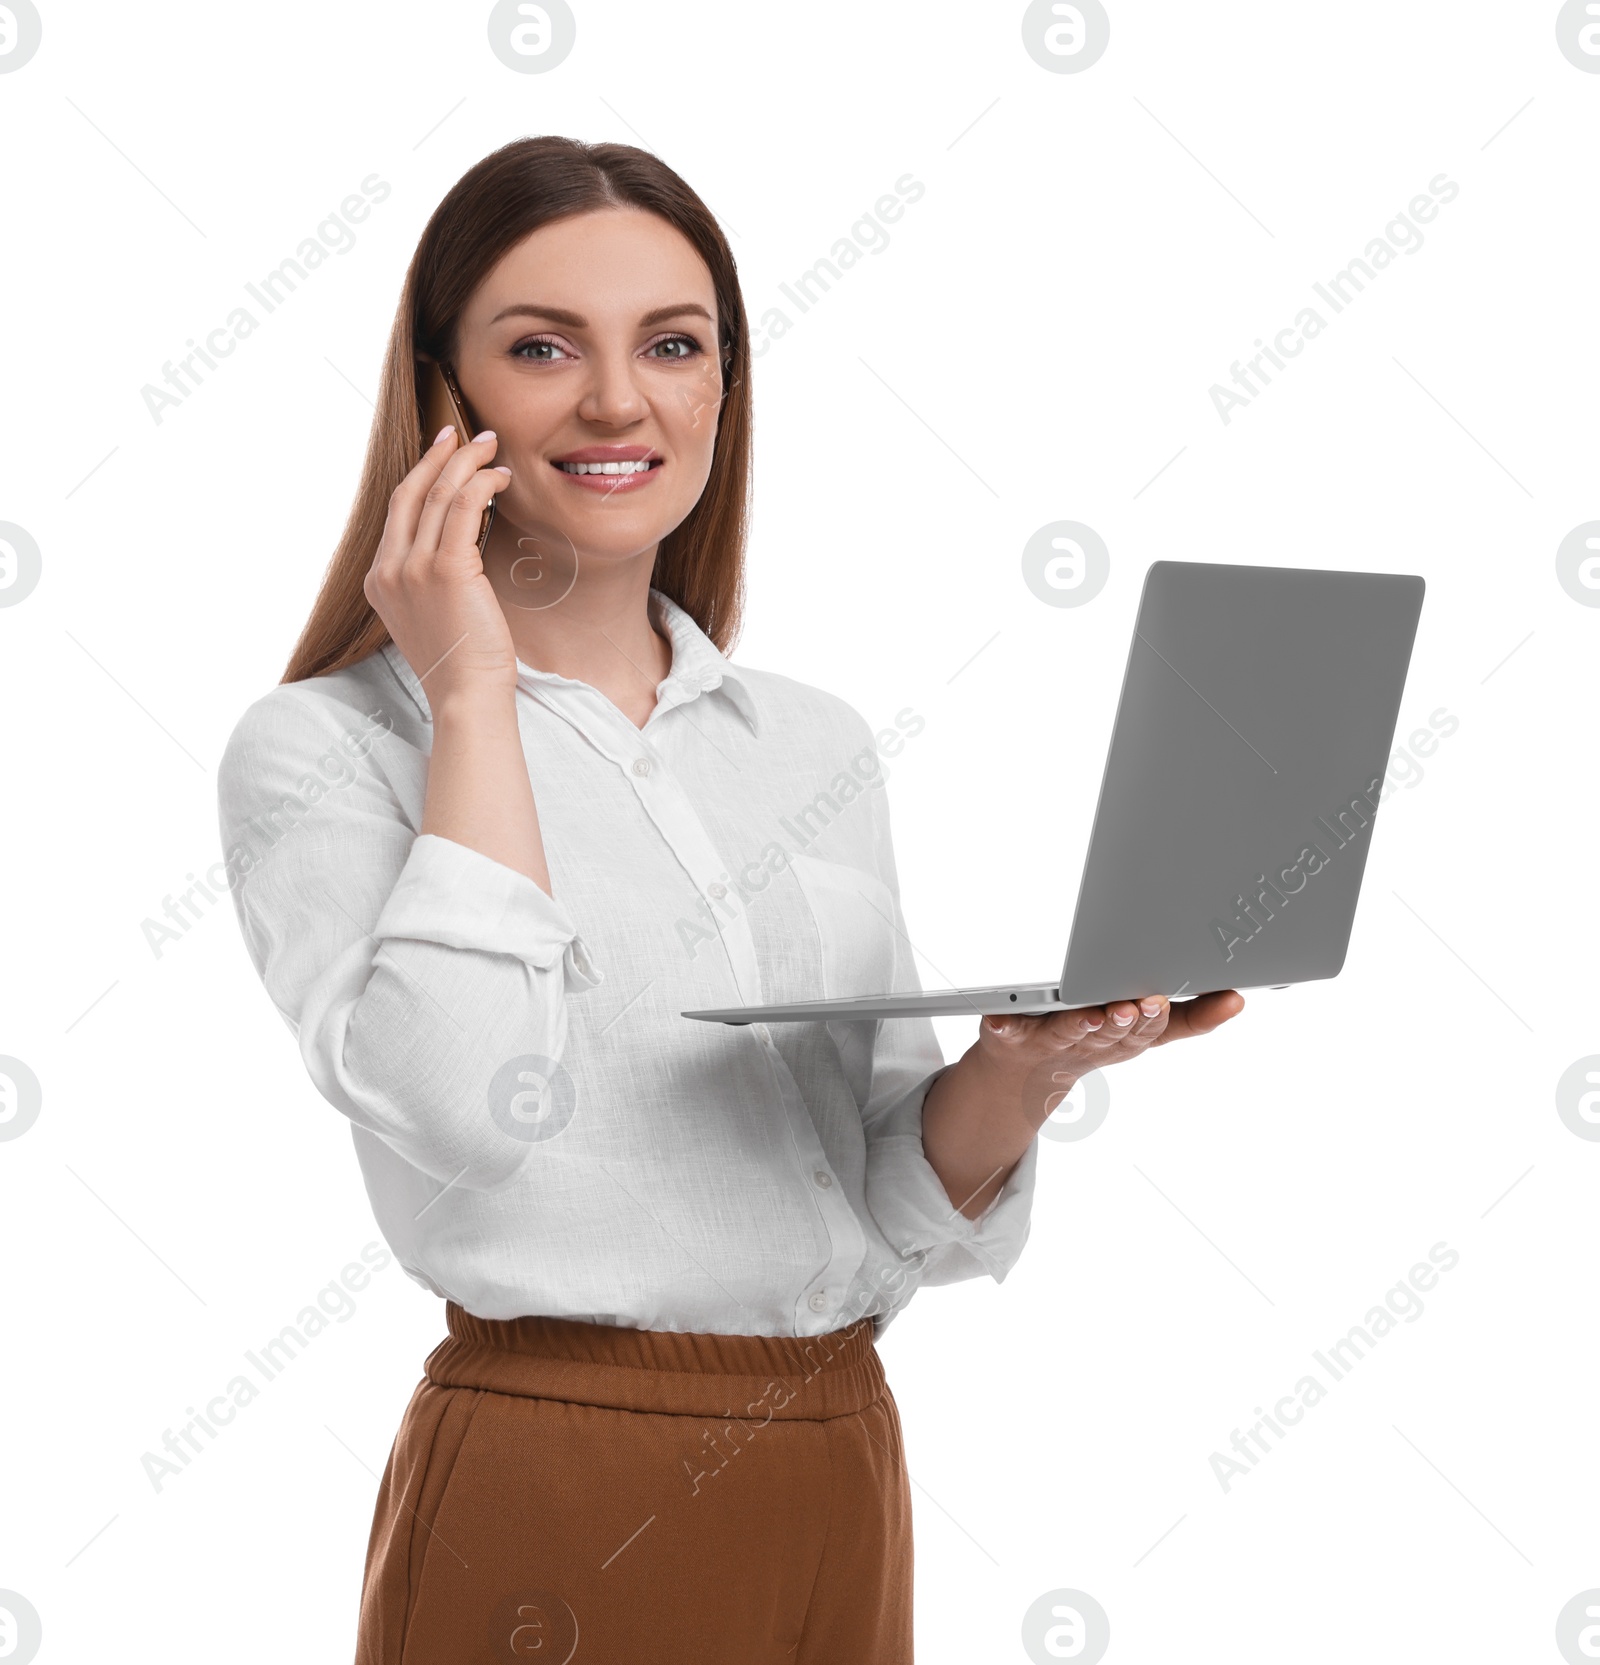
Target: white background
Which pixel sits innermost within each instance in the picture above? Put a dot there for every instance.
(1037, 342)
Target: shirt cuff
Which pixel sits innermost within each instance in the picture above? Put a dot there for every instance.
(449, 894)
(913, 1210)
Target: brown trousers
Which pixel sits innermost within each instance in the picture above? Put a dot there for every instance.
(562, 1491)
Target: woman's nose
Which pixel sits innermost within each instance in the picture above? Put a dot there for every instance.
(612, 396)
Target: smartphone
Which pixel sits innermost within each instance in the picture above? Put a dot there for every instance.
(446, 408)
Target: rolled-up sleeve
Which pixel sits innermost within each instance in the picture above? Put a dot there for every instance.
(411, 969)
(505, 912)
(917, 1217)
(904, 1192)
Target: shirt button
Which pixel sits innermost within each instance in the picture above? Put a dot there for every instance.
(819, 1301)
(823, 1178)
(641, 766)
(718, 891)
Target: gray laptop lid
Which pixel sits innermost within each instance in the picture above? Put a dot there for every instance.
(1251, 741)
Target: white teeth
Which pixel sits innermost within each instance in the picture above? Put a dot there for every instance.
(639, 467)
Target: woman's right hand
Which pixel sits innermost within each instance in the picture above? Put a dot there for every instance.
(427, 581)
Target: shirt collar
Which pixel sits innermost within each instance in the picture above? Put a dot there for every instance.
(698, 667)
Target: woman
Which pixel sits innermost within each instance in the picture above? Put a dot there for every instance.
(557, 817)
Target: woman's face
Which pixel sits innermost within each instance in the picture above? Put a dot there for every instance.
(595, 341)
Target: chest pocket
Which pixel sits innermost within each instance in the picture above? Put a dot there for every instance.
(855, 919)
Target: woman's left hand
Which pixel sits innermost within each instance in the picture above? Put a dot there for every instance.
(1052, 1050)
(982, 1112)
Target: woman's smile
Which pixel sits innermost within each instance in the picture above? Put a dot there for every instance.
(610, 470)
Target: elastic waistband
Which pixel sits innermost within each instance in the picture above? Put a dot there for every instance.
(794, 1378)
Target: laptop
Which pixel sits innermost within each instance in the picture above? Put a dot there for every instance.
(1237, 806)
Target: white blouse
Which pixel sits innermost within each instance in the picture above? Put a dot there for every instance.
(540, 1131)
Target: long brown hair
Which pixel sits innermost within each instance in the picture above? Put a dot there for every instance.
(509, 194)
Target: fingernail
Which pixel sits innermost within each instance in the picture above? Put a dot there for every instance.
(488, 433)
(438, 438)
(1149, 1007)
(1094, 1023)
(1117, 1017)
(500, 468)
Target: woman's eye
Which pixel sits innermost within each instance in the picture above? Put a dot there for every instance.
(539, 350)
(682, 346)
